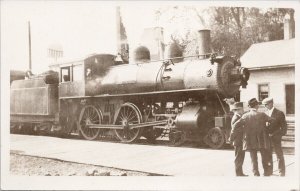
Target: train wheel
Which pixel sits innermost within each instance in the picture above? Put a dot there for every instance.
(89, 115)
(177, 137)
(128, 115)
(215, 138)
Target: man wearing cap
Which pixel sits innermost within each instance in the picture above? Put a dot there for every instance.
(277, 129)
(256, 137)
(236, 137)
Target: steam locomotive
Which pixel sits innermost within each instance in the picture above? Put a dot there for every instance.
(181, 98)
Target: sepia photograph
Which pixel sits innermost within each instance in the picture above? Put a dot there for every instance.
(150, 95)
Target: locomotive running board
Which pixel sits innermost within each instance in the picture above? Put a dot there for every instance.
(133, 126)
(136, 94)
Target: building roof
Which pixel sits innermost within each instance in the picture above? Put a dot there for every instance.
(279, 53)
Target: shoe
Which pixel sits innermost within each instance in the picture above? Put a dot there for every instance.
(256, 173)
(281, 174)
(267, 174)
(243, 175)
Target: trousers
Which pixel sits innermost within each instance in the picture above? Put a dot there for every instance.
(266, 161)
(276, 145)
(239, 159)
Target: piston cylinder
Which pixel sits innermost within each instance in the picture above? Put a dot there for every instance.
(190, 117)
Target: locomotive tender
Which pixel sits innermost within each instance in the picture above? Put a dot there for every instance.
(179, 97)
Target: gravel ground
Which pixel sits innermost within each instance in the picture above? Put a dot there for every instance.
(36, 166)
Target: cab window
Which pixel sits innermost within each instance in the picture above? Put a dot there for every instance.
(78, 73)
(65, 74)
(88, 73)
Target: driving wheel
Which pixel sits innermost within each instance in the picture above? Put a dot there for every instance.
(128, 115)
(89, 115)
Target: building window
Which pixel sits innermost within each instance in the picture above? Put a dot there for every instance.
(263, 91)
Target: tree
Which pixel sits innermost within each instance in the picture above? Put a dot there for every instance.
(233, 29)
(181, 24)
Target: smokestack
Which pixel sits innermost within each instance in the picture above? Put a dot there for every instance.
(204, 43)
(288, 27)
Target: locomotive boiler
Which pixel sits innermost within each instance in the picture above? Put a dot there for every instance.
(181, 98)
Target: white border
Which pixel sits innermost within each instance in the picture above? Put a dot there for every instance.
(150, 183)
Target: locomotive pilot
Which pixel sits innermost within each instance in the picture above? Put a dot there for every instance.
(236, 138)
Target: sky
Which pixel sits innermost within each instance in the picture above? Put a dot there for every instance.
(80, 27)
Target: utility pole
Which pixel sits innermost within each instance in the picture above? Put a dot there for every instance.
(29, 37)
(118, 27)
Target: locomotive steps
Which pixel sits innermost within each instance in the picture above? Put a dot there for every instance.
(288, 141)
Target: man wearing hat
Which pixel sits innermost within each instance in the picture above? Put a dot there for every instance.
(236, 137)
(277, 129)
(256, 137)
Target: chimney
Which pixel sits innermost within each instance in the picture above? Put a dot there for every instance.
(160, 41)
(153, 39)
(288, 27)
(204, 43)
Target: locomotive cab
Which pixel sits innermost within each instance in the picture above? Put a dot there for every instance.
(71, 80)
(79, 78)
(95, 68)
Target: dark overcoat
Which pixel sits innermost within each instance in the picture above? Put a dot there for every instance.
(236, 134)
(255, 130)
(278, 126)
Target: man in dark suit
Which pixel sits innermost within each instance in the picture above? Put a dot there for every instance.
(236, 138)
(256, 137)
(277, 129)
